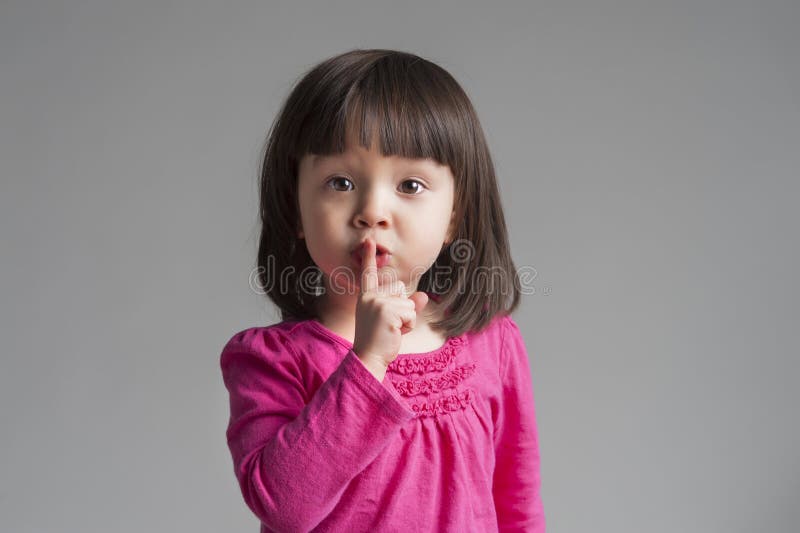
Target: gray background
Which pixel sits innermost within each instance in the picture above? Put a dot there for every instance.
(647, 156)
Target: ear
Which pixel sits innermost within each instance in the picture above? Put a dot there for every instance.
(300, 234)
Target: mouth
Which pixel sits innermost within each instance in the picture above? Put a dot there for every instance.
(382, 255)
(379, 250)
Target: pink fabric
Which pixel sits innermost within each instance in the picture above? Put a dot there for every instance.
(446, 442)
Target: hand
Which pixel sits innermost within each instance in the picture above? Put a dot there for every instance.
(383, 315)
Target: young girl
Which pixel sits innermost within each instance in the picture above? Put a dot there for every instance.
(396, 394)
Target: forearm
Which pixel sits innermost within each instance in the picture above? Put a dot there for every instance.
(297, 477)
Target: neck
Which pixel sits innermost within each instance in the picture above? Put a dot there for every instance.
(338, 315)
(337, 312)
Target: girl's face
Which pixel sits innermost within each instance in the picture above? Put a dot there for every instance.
(405, 205)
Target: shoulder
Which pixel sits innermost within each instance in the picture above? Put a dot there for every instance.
(274, 343)
(508, 339)
(498, 328)
(509, 327)
(491, 341)
(259, 337)
(262, 364)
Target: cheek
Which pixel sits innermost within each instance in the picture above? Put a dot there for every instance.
(431, 227)
(315, 221)
(428, 239)
(323, 238)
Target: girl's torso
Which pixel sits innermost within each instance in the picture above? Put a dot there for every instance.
(443, 459)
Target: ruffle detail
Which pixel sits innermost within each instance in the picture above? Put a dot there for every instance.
(453, 402)
(445, 379)
(448, 380)
(431, 363)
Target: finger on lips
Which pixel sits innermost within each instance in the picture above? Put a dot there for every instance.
(369, 269)
(374, 281)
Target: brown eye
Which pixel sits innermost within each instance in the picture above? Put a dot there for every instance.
(338, 179)
(414, 191)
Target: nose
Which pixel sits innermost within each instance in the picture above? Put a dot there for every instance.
(372, 210)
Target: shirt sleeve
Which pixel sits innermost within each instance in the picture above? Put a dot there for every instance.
(293, 456)
(516, 482)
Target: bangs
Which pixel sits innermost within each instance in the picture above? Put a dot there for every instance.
(405, 106)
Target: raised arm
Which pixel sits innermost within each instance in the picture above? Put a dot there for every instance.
(293, 456)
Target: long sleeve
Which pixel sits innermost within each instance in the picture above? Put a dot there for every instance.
(294, 455)
(516, 482)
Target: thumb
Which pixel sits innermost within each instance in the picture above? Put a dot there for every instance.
(420, 300)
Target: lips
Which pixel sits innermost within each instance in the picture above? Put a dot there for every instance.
(382, 255)
(379, 250)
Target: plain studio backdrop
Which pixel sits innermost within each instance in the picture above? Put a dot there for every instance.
(647, 155)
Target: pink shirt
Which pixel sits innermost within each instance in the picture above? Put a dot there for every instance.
(446, 442)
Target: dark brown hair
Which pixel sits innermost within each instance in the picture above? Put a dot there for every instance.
(417, 110)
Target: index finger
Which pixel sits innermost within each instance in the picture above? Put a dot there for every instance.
(369, 268)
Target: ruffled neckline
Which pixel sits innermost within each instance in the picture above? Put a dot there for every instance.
(433, 383)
